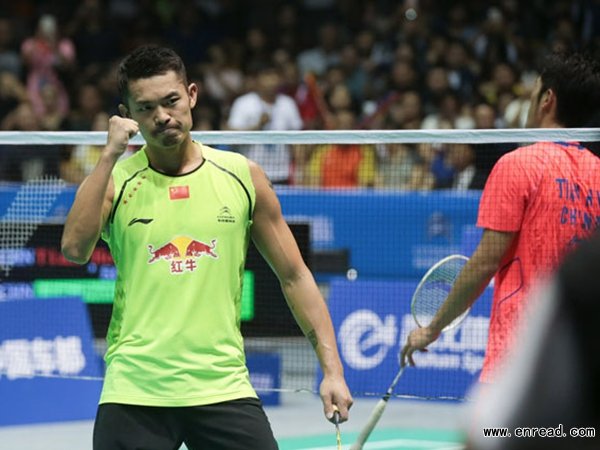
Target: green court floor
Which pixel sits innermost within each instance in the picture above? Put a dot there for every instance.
(382, 439)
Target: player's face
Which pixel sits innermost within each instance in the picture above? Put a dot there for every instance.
(162, 106)
(533, 115)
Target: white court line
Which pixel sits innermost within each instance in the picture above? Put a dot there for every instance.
(394, 443)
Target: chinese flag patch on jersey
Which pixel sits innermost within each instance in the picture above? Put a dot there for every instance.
(179, 192)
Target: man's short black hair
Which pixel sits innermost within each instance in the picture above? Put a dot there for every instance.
(148, 61)
(575, 79)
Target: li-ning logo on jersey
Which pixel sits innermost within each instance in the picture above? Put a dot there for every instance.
(225, 215)
(182, 253)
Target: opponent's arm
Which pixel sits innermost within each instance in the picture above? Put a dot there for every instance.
(94, 197)
(276, 243)
(468, 286)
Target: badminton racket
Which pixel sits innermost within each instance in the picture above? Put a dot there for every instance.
(430, 294)
(338, 435)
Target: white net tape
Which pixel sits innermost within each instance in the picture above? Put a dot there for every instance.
(324, 137)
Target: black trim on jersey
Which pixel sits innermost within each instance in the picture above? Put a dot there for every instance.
(142, 221)
(239, 181)
(178, 175)
(116, 205)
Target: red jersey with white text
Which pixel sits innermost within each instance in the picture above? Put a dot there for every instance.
(547, 193)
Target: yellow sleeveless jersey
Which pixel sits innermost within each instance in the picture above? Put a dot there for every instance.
(179, 244)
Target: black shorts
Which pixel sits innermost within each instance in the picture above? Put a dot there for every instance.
(235, 425)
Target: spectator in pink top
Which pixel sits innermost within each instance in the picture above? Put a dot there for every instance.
(537, 204)
(47, 57)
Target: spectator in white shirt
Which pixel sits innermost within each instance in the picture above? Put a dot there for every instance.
(266, 108)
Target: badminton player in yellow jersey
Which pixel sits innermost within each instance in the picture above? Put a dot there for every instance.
(539, 201)
(175, 365)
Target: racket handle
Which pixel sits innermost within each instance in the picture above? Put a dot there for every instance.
(368, 428)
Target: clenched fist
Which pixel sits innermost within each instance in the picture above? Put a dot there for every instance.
(120, 130)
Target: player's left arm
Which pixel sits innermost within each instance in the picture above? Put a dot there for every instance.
(275, 241)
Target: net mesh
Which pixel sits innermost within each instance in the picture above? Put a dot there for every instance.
(29, 207)
(371, 212)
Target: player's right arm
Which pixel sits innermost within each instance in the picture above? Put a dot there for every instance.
(469, 285)
(93, 201)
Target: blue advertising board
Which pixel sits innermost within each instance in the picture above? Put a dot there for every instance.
(46, 348)
(387, 233)
(265, 376)
(372, 320)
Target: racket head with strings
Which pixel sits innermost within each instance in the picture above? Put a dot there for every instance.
(433, 289)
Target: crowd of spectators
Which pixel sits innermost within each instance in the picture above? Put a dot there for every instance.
(303, 64)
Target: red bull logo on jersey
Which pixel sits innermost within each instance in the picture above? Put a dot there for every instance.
(182, 253)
